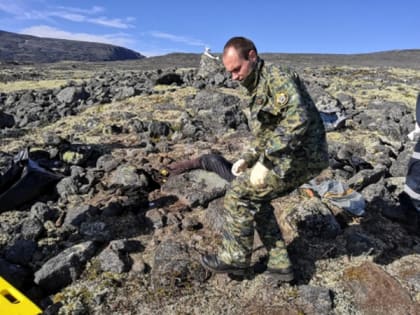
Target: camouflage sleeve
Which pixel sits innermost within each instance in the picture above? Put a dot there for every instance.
(287, 117)
(251, 155)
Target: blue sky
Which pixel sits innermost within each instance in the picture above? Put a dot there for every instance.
(156, 27)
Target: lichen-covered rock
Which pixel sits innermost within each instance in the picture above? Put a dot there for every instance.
(174, 266)
(64, 268)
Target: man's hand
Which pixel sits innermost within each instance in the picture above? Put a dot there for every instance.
(258, 174)
(239, 166)
(412, 135)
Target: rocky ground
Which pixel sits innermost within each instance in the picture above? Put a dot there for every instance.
(116, 233)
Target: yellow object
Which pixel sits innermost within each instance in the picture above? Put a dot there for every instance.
(13, 302)
(164, 172)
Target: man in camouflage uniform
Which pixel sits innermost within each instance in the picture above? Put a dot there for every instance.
(289, 149)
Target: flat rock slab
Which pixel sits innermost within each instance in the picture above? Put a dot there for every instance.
(195, 188)
(377, 292)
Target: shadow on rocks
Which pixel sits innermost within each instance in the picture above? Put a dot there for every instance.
(393, 229)
(371, 235)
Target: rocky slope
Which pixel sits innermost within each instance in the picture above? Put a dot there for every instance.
(117, 234)
(17, 48)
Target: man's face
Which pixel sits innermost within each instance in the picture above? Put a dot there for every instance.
(238, 67)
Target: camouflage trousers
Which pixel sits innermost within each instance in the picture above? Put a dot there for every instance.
(246, 208)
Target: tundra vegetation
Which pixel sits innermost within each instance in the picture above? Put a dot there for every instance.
(117, 234)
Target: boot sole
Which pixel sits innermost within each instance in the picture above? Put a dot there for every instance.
(281, 277)
(233, 271)
(285, 276)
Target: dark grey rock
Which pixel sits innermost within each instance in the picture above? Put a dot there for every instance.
(216, 111)
(51, 138)
(209, 66)
(6, 120)
(107, 163)
(15, 274)
(124, 92)
(21, 252)
(71, 94)
(75, 216)
(157, 218)
(399, 166)
(96, 231)
(214, 218)
(64, 268)
(312, 218)
(43, 212)
(67, 187)
(112, 261)
(366, 177)
(173, 266)
(32, 229)
(158, 129)
(170, 79)
(115, 258)
(386, 118)
(128, 175)
(315, 300)
(374, 191)
(358, 243)
(191, 224)
(125, 245)
(196, 187)
(113, 209)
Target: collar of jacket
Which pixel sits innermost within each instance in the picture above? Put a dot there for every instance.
(251, 81)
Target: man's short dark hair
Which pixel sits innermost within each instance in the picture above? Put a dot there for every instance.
(242, 45)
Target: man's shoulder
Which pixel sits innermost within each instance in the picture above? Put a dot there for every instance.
(280, 70)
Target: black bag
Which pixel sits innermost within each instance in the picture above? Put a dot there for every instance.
(24, 181)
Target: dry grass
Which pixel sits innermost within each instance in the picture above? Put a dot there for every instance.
(162, 107)
(367, 84)
(33, 85)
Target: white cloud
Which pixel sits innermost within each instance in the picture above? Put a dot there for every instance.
(104, 21)
(117, 23)
(177, 39)
(93, 10)
(72, 14)
(119, 39)
(74, 17)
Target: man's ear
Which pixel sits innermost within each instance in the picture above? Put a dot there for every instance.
(252, 55)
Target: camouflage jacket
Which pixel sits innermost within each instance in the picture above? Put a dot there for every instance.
(288, 129)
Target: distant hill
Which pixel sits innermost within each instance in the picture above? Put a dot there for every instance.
(31, 49)
(407, 58)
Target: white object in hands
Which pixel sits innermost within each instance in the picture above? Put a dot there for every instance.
(258, 174)
(239, 166)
